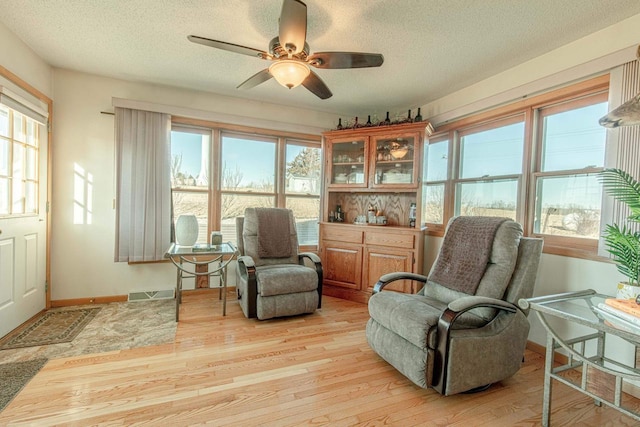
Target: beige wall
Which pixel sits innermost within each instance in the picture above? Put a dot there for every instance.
(19, 59)
(82, 254)
(557, 67)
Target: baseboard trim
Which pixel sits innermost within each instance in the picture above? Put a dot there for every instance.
(122, 298)
(88, 301)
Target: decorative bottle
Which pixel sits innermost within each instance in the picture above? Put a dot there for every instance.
(412, 215)
(387, 121)
(418, 117)
(339, 127)
(371, 214)
(409, 117)
(368, 121)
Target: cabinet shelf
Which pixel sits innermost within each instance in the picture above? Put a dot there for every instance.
(393, 162)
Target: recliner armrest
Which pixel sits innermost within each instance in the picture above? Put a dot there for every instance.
(392, 277)
(318, 266)
(247, 261)
(448, 317)
(247, 269)
(313, 257)
(465, 304)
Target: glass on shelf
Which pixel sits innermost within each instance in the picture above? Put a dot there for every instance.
(348, 161)
(394, 161)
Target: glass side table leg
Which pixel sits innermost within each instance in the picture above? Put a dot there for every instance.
(223, 289)
(178, 286)
(548, 366)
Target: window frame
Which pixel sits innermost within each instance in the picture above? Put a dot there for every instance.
(26, 146)
(519, 117)
(279, 138)
(446, 183)
(565, 97)
(562, 245)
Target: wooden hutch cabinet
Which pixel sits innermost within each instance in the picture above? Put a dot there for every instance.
(372, 189)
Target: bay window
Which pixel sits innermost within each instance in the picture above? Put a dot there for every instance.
(217, 173)
(536, 162)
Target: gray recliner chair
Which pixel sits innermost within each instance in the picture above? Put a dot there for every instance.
(273, 278)
(463, 331)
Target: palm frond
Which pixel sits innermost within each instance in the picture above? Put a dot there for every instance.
(624, 245)
(624, 188)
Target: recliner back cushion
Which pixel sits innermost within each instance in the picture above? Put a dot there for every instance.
(250, 240)
(494, 282)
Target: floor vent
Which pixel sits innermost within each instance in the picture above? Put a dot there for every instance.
(151, 295)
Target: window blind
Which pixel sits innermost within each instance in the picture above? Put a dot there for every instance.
(23, 106)
(623, 151)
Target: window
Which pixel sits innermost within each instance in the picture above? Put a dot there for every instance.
(572, 146)
(490, 168)
(248, 177)
(535, 162)
(217, 173)
(19, 148)
(302, 189)
(190, 176)
(436, 161)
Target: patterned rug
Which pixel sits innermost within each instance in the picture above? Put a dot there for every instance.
(52, 327)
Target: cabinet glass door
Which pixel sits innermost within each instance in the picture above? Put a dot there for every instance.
(395, 161)
(348, 163)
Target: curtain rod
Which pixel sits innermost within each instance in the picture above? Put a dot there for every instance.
(108, 113)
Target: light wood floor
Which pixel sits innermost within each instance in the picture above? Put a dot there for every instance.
(309, 370)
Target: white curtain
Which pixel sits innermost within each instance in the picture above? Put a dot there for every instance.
(623, 145)
(143, 199)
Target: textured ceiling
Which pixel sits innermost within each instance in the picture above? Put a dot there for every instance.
(431, 47)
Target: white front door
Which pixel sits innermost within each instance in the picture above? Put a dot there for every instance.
(22, 235)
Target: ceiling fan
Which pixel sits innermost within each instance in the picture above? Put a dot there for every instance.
(290, 54)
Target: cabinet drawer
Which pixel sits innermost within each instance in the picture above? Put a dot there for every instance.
(405, 241)
(342, 235)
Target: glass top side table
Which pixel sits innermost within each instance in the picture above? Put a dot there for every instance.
(586, 352)
(201, 260)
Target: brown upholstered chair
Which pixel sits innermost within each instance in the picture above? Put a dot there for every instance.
(451, 336)
(272, 281)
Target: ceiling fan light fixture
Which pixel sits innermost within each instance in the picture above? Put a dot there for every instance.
(289, 72)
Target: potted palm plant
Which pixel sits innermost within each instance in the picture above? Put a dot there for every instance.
(623, 242)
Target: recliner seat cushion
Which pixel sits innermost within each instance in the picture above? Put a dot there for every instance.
(411, 316)
(285, 279)
(414, 317)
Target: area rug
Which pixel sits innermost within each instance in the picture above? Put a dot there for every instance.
(117, 326)
(15, 376)
(52, 327)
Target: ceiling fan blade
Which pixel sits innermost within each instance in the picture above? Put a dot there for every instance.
(293, 26)
(256, 79)
(317, 86)
(345, 60)
(236, 48)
